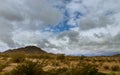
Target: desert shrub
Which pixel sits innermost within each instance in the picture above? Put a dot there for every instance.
(84, 69)
(81, 57)
(106, 67)
(4, 55)
(1, 74)
(2, 66)
(46, 56)
(94, 60)
(100, 64)
(61, 57)
(40, 56)
(27, 68)
(87, 59)
(35, 68)
(18, 57)
(55, 63)
(109, 61)
(115, 68)
(60, 71)
(111, 73)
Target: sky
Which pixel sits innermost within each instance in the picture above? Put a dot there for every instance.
(72, 27)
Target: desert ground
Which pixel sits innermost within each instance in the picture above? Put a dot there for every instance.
(57, 64)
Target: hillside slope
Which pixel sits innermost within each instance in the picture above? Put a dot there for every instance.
(28, 49)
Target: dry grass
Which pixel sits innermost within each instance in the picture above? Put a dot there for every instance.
(108, 65)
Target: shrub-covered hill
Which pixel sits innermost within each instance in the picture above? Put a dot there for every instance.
(28, 49)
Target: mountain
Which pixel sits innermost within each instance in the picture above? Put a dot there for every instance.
(27, 49)
(117, 55)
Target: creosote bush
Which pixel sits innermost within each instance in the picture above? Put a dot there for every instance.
(18, 57)
(27, 68)
(2, 66)
(61, 57)
(82, 57)
(115, 68)
(106, 67)
(40, 56)
(47, 64)
(83, 70)
(36, 68)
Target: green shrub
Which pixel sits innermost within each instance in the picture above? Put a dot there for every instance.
(106, 67)
(60, 71)
(61, 57)
(18, 57)
(84, 69)
(115, 68)
(55, 63)
(2, 66)
(40, 56)
(82, 57)
(28, 68)
(35, 68)
(111, 74)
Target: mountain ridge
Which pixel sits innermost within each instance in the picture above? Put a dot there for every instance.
(27, 49)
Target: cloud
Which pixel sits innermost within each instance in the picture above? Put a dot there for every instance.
(23, 15)
(96, 28)
(100, 13)
(43, 40)
(41, 9)
(95, 22)
(5, 32)
(94, 25)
